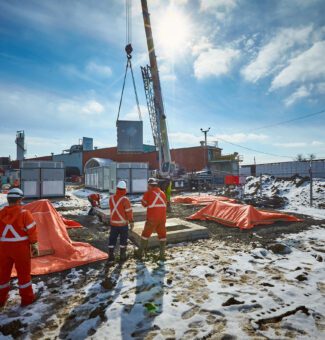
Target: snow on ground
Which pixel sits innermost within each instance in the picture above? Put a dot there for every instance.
(204, 289)
(296, 191)
(3, 200)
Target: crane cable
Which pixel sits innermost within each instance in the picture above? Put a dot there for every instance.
(128, 50)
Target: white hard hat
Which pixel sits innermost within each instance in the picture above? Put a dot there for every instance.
(152, 181)
(121, 185)
(15, 193)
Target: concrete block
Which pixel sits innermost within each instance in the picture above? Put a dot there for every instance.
(139, 213)
(177, 231)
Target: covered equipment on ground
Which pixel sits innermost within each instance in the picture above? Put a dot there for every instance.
(52, 235)
(239, 215)
(200, 200)
(42, 206)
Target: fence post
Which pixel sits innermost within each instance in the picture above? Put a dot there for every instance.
(311, 183)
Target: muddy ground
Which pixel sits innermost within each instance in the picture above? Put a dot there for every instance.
(97, 234)
(75, 304)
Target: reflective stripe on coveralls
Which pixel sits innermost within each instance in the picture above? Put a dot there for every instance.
(16, 238)
(115, 210)
(154, 203)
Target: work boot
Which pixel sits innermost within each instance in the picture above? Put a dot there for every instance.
(111, 256)
(123, 255)
(142, 249)
(162, 246)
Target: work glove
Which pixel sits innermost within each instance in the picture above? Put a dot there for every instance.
(34, 249)
(131, 225)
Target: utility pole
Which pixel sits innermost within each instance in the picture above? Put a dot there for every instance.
(205, 132)
(311, 182)
(205, 136)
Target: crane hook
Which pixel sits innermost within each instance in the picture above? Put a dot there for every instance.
(128, 50)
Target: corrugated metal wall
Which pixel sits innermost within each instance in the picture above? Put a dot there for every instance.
(286, 169)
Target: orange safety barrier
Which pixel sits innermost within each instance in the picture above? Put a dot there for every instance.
(44, 206)
(239, 215)
(53, 238)
(200, 200)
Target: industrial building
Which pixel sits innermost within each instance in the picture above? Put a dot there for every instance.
(286, 169)
(188, 160)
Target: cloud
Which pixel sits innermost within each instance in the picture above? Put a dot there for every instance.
(274, 54)
(320, 87)
(77, 17)
(300, 93)
(133, 114)
(92, 107)
(242, 137)
(307, 66)
(92, 68)
(202, 44)
(190, 139)
(214, 62)
(166, 72)
(317, 143)
(220, 8)
(291, 144)
(184, 138)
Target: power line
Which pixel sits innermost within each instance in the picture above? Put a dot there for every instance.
(290, 120)
(254, 150)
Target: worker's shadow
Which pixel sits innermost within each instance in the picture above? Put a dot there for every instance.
(138, 320)
(105, 290)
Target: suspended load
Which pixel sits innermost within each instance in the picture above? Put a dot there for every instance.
(129, 132)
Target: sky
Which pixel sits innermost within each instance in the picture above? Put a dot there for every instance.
(236, 66)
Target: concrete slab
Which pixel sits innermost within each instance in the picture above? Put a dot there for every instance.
(177, 231)
(139, 213)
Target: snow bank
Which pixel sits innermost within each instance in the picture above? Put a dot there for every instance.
(296, 191)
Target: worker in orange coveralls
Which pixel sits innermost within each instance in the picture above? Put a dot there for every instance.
(120, 218)
(155, 202)
(94, 200)
(18, 241)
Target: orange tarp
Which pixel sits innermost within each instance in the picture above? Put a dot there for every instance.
(239, 215)
(53, 235)
(41, 206)
(200, 200)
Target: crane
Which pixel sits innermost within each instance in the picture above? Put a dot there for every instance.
(152, 88)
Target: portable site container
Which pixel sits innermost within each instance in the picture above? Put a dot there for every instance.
(129, 136)
(104, 174)
(42, 179)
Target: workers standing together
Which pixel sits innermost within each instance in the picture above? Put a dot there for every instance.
(155, 201)
(120, 218)
(18, 241)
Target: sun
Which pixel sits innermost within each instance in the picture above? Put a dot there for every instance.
(173, 32)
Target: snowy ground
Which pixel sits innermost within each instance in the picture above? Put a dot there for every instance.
(296, 191)
(203, 290)
(226, 287)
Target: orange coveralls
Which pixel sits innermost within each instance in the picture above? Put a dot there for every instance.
(155, 202)
(121, 215)
(94, 199)
(17, 232)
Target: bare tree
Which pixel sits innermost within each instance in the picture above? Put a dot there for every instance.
(300, 157)
(311, 156)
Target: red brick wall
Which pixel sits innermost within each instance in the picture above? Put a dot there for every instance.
(190, 159)
(111, 153)
(186, 158)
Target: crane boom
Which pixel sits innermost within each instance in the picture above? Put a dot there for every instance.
(154, 97)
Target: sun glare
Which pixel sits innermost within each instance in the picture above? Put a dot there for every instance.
(173, 32)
